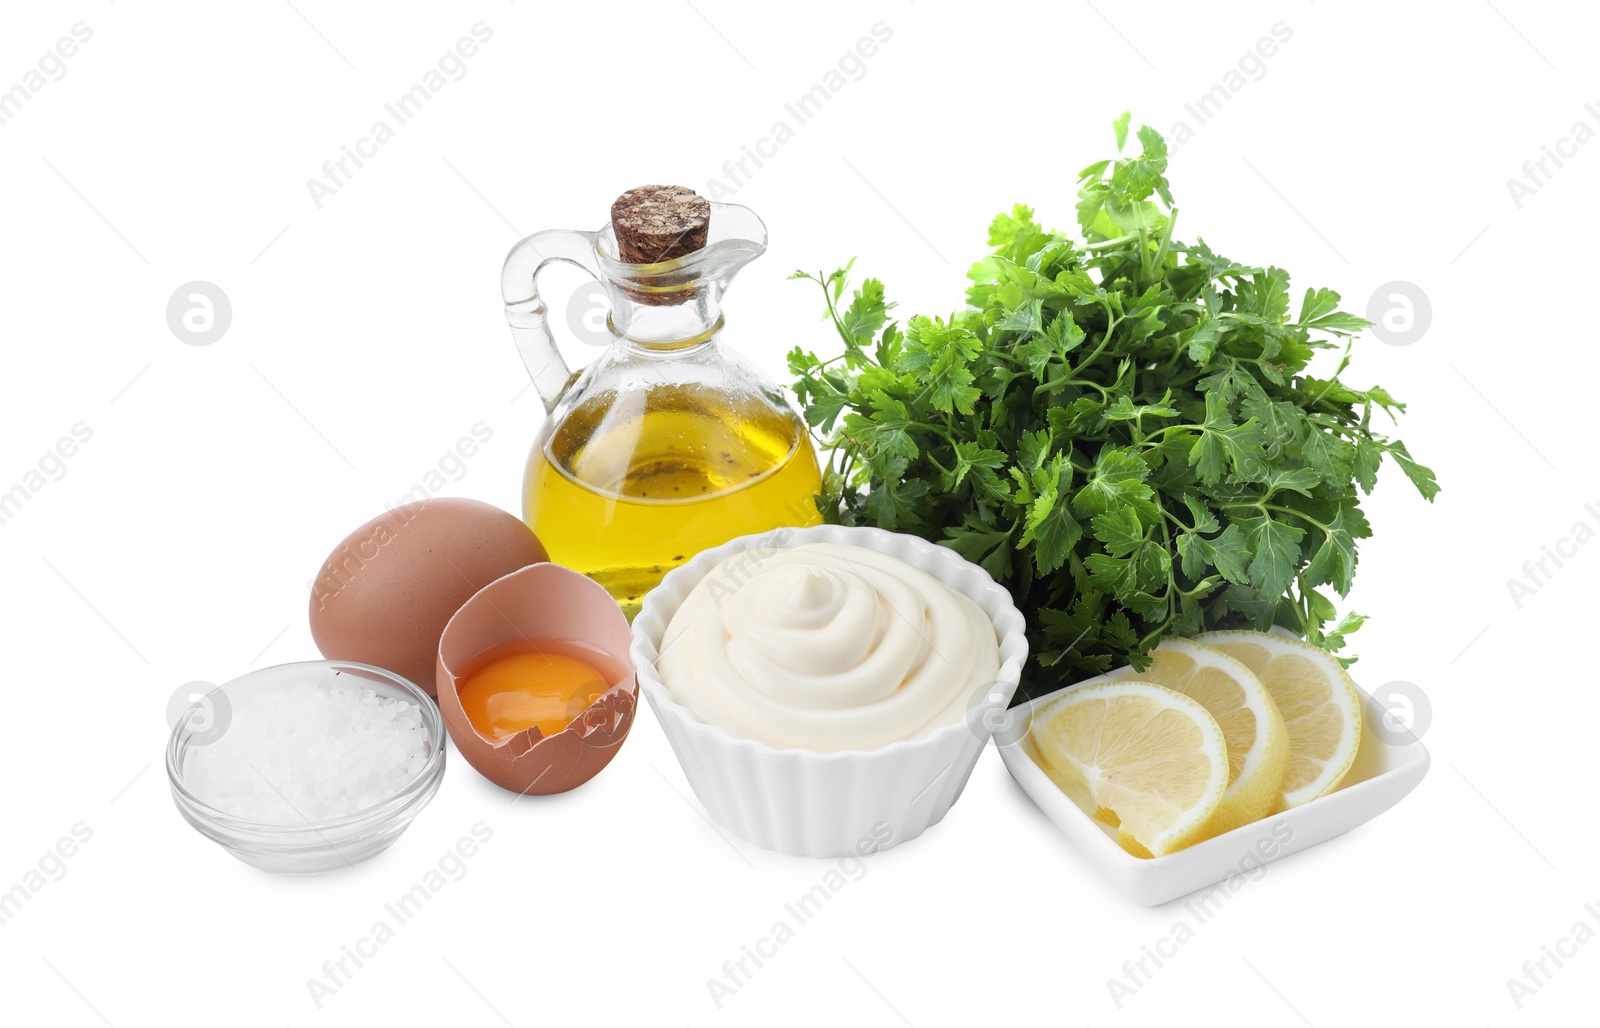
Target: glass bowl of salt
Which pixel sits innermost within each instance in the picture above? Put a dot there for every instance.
(306, 768)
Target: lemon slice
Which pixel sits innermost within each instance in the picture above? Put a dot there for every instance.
(1258, 742)
(1318, 702)
(1150, 756)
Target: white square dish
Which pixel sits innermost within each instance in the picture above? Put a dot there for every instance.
(1385, 770)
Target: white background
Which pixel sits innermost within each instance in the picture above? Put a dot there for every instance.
(367, 337)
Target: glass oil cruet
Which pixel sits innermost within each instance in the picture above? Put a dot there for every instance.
(667, 443)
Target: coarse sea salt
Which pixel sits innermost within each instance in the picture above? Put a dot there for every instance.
(309, 753)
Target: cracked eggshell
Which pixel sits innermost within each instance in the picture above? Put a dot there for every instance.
(383, 596)
(540, 602)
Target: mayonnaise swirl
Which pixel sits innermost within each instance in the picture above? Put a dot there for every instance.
(826, 647)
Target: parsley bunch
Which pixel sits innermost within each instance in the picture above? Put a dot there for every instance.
(1122, 430)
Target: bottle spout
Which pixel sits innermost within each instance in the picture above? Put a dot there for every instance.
(738, 235)
(734, 237)
(674, 301)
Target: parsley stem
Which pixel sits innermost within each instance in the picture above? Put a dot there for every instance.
(1264, 506)
(1105, 340)
(1303, 516)
(1172, 580)
(833, 314)
(1109, 243)
(1159, 436)
(1166, 239)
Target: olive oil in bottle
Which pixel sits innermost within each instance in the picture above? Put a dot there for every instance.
(625, 496)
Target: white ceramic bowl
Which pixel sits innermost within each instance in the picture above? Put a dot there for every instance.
(1387, 767)
(830, 804)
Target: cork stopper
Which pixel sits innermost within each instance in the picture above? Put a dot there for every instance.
(658, 223)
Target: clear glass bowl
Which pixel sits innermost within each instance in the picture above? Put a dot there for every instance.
(309, 849)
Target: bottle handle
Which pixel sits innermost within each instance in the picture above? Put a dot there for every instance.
(526, 312)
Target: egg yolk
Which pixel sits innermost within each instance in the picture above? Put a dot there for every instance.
(529, 690)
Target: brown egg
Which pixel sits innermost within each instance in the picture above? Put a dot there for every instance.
(542, 603)
(385, 594)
